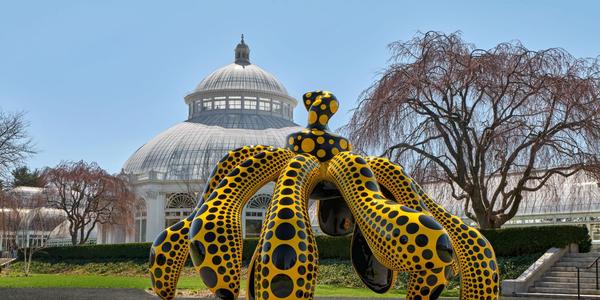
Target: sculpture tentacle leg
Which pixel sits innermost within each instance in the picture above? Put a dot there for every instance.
(250, 288)
(215, 233)
(401, 238)
(425, 284)
(286, 264)
(170, 250)
(476, 258)
(373, 274)
(168, 254)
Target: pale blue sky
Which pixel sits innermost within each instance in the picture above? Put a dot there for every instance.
(100, 78)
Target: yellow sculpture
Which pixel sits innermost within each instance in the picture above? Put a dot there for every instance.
(396, 226)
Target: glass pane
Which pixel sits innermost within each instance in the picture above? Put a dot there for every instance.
(249, 104)
(253, 228)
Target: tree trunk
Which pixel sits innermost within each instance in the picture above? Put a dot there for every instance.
(82, 235)
(28, 263)
(487, 220)
(25, 260)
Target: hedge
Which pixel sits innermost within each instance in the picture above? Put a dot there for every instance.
(506, 242)
(329, 248)
(523, 240)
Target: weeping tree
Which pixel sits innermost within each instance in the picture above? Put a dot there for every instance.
(89, 196)
(494, 124)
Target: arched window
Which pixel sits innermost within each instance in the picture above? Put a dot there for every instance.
(259, 201)
(181, 200)
(179, 206)
(254, 213)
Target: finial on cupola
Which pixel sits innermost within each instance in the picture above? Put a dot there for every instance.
(242, 53)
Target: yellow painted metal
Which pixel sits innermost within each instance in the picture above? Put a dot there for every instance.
(476, 259)
(287, 256)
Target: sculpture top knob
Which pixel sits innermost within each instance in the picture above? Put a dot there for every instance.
(321, 105)
(316, 139)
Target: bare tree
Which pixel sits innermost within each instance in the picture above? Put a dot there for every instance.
(473, 118)
(34, 229)
(9, 221)
(27, 223)
(89, 196)
(15, 144)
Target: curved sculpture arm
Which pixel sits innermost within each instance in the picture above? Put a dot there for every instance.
(477, 261)
(427, 284)
(227, 163)
(216, 234)
(285, 265)
(401, 238)
(478, 266)
(170, 249)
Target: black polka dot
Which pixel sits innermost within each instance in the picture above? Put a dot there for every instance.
(429, 222)
(282, 285)
(285, 231)
(208, 276)
(366, 172)
(402, 220)
(286, 201)
(224, 294)
(209, 237)
(161, 237)
(421, 240)
(371, 186)
(412, 228)
(177, 226)
(444, 248)
(285, 213)
(436, 292)
(161, 259)
(407, 209)
(284, 257)
(487, 253)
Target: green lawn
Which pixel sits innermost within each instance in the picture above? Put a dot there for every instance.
(88, 281)
(185, 282)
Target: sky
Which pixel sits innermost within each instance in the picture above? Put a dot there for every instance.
(98, 79)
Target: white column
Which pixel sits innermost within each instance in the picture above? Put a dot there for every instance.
(99, 230)
(155, 220)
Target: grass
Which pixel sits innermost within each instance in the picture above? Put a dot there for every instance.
(185, 282)
(334, 291)
(336, 277)
(90, 281)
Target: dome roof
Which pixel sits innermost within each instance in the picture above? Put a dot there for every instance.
(242, 77)
(246, 121)
(245, 105)
(189, 150)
